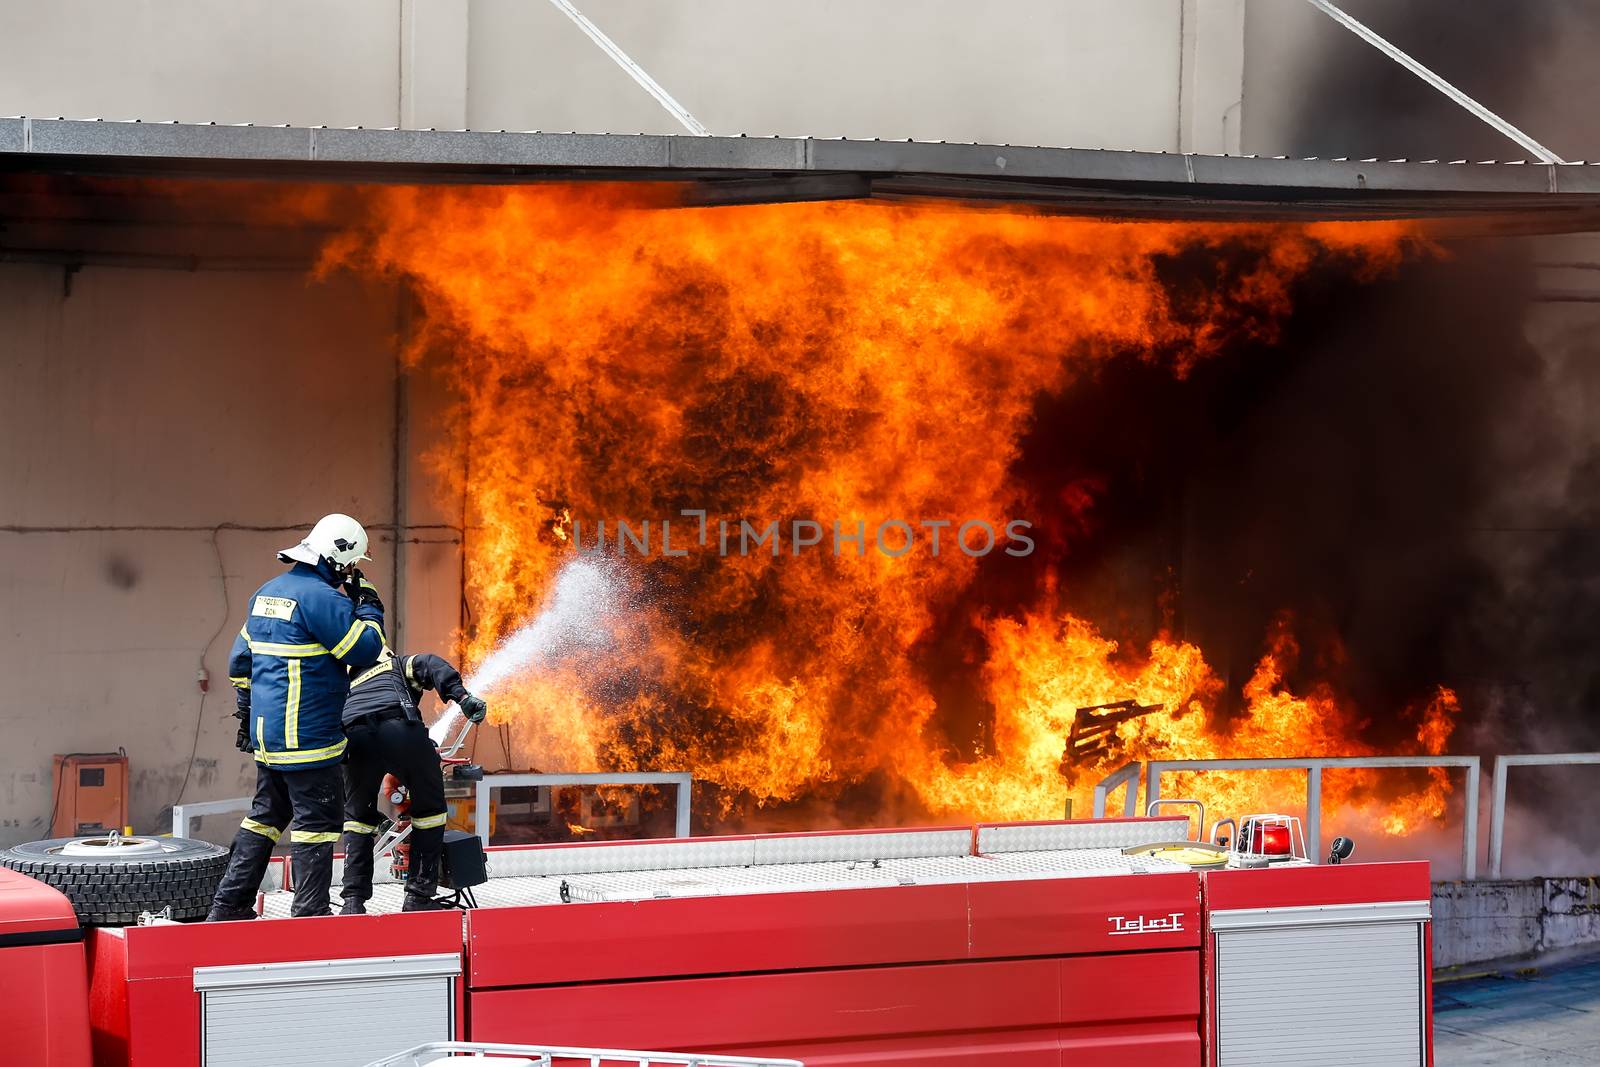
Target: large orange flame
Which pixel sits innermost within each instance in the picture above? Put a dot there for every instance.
(621, 358)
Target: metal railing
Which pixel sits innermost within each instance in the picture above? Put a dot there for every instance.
(1129, 774)
(1313, 766)
(546, 1055)
(183, 815)
(1497, 802)
(682, 779)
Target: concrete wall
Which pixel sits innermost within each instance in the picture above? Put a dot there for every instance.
(266, 61)
(148, 414)
(1477, 922)
(1148, 74)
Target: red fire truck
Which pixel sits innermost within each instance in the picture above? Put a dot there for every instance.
(1094, 942)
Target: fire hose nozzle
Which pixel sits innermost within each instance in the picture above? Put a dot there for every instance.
(439, 732)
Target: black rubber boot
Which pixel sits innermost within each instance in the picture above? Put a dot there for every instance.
(423, 882)
(357, 873)
(313, 878)
(247, 863)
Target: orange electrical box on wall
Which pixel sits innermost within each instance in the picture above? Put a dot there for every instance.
(91, 791)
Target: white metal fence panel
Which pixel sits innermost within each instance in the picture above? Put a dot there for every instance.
(1320, 996)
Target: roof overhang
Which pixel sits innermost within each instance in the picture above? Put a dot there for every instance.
(1526, 197)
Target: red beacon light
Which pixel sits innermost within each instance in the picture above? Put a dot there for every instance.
(1271, 839)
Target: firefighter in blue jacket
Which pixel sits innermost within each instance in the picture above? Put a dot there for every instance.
(290, 667)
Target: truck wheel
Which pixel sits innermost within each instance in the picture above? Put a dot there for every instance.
(110, 880)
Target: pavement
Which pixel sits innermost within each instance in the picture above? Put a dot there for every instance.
(1548, 1014)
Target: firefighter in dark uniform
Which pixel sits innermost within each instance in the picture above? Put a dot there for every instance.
(387, 736)
(291, 668)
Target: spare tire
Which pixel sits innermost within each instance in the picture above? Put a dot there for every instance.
(110, 880)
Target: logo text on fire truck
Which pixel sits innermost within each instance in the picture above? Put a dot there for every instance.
(1170, 923)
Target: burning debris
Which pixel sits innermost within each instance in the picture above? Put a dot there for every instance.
(1093, 738)
(622, 361)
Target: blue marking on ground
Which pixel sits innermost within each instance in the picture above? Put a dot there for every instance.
(1550, 1016)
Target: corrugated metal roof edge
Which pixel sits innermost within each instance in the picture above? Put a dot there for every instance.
(511, 153)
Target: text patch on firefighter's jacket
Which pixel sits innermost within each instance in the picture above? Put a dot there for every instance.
(274, 607)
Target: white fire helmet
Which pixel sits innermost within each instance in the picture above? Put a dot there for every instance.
(339, 539)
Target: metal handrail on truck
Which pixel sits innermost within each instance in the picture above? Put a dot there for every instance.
(546, 1055)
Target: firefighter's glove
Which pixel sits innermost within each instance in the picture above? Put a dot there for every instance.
(474, 708)
(368, 607)
(243, 741)
(362, 592)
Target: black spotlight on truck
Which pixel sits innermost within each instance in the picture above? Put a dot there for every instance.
(463, 866)
(1339, 852)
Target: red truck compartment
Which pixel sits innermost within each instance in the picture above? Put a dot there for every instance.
(44, 1007)
(1033, 970)
(1284, 887)
(147, 1012)
(1094, 1011)
(1295, 952)
(615, 941)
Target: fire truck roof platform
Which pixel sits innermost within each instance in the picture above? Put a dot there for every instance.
(594, 872)
(1484, 196)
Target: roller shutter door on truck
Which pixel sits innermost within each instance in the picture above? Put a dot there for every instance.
(1297, 986)
(324, 1013)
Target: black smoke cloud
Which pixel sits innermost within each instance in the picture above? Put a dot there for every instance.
(1471, 471)
(1504, 53)
(1410, 469)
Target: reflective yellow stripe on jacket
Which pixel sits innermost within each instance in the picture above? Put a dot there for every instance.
(299, 755)
(291, 708)
(370, 673)
(348, 641)
(267, 648)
